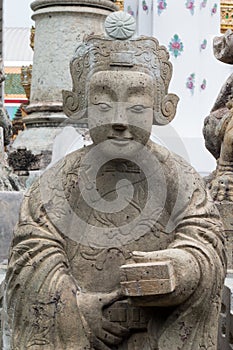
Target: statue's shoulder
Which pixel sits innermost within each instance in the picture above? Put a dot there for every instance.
(168, 158)
(161, 153)
(54, 177)
(175, 166)
(70, 162)
(50, 189)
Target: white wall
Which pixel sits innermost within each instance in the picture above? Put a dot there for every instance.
(17, 13)
(192, 29)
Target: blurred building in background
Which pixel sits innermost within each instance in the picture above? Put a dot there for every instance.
(17, 53)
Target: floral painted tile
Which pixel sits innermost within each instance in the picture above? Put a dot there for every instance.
(203, 44)
(190, 83)
(214, 9)
(203, 4)
(203, 84)
(130, 10)
(145, 6)
(176, 46)
(162, 4)
(190, 6)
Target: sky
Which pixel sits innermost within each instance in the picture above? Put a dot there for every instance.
(17, 13)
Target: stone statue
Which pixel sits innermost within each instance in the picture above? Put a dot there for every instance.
(119, 245)
(5, 124)
(218, 133)
(218, 127)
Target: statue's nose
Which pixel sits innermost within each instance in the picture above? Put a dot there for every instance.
(119, 126)
(120, 119)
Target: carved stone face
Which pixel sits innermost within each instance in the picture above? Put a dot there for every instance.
(120, 111)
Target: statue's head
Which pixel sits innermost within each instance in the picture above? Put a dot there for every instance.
(121, 85)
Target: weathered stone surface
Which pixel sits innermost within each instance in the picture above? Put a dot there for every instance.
(226, 209)
(8, 180)
(218, 133)
(223, 47)
(225, 322)
(5, 123)
(120, 25)
(1, 146)
(123, 201)
(9, 214)
(218, 128)
(147, 279)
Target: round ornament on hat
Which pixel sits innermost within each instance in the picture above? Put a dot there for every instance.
(120, 25)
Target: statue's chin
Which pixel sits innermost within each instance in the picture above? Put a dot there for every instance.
(116, 149)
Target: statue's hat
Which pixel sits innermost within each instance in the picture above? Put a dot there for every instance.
(120, 50)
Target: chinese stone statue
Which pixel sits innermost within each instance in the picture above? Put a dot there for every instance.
(119, 245)
(218, 128)
(218, 133)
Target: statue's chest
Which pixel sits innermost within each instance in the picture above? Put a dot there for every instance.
(116, 220)
(98, 269)
(113, 198)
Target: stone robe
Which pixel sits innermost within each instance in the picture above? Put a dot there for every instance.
(61, 250)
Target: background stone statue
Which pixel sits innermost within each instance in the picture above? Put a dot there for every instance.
(119, 245)
(218, 131)
(5, 124)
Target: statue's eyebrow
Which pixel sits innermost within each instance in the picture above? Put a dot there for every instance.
(136, 89)
(105, 89)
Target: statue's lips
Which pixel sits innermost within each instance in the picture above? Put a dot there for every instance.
(120, 140)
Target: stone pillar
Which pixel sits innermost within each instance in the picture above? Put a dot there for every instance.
(59, 26)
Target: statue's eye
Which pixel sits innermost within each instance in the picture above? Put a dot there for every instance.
(104, 106)
(137, 108)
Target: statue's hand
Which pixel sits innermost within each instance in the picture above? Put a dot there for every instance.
(221, 188)
(103, 334)
(187, 275)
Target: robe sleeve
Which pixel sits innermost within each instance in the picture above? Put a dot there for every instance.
(199, 232)
(40, 293)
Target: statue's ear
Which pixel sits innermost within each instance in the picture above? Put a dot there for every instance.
(167, 111)
(72, 106)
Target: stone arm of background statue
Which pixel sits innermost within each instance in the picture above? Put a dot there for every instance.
(221, 186)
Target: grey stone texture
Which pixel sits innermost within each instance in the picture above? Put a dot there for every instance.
(9, 215)
(119, 245)
(1, 145)
(225, 209)
(120, 25)
(225, 334)
(8, 180)
(218, 133)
